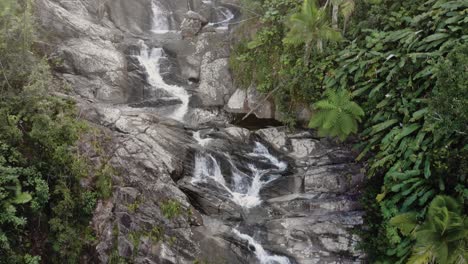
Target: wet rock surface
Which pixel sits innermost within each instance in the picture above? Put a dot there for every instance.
(307, 203)
(307, 213)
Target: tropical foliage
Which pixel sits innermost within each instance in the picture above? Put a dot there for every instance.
(442, 237)
(336, 115)
(405, 64)
(310, 25)
(44, 210)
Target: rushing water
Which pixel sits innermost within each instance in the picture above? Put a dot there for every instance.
(260, 253)
(150, 60)
(245, 188)
(223, 16)
(160, 22)
(161, 19)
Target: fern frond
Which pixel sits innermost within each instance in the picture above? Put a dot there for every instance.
(325, 105)
(336, 114)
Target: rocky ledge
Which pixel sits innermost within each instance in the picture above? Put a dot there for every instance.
(156, 213)
(307, 214)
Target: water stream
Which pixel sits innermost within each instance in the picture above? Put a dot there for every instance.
(260, 253)
(244, 186)
(150, 60)
(162, 20)
(223, 16)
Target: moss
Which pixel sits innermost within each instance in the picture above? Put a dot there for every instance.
(156, 234)
(171, 209)
(133, 207)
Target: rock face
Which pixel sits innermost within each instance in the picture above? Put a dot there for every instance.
(192, 24)
(160, 212)
(245, 101)
(99, 40)
(317, 205)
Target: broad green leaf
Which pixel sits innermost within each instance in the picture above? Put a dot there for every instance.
(436, 36)
(384, 125)
(405, 222)
(22, 198)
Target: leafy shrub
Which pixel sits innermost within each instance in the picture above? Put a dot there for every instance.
(442, 237)
(44, 210)
(450, 96)
(310, 25)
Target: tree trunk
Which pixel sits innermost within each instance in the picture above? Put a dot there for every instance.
(335, 11)
(320, 45)
(307, 54)
(345, 22)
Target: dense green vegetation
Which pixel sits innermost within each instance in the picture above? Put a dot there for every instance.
(405, 64)
(44, 209)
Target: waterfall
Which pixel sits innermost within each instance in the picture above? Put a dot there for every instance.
(243, 193)
(262, 152)
(245, 188)
(201, 141)
(160, 23)
(206, 167)
(260, 253)
(225, 15)
(150, 60)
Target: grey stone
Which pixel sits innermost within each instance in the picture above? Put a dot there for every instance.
(192, 24)
(238, 102)
(275, 136)
(215, 82)
(263, 108)
(243, 101)
(306, 214)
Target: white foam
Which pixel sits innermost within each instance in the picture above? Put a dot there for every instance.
(160, 23)
(150, 59)
(262, 152)
(201, 141)
(226, 15)
(260, 253)
(245, 190)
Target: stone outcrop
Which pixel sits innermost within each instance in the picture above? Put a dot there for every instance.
(156, 214)
(96, 41)
(192, 24)
(316, 206)
(308, 213)
(245, 101)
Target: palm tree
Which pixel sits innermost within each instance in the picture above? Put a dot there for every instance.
(442, 237)
(310, 25)
(336, 115)
(345, 7)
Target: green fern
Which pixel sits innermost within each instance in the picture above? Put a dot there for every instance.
(337, 115)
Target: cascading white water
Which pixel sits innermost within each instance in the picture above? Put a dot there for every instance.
(206, 167)
(226, 16)
(245, 189)
(160, 23)
(150, 60)
(242, 193)
(262, 152)
(260, 253)
(201, 141)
